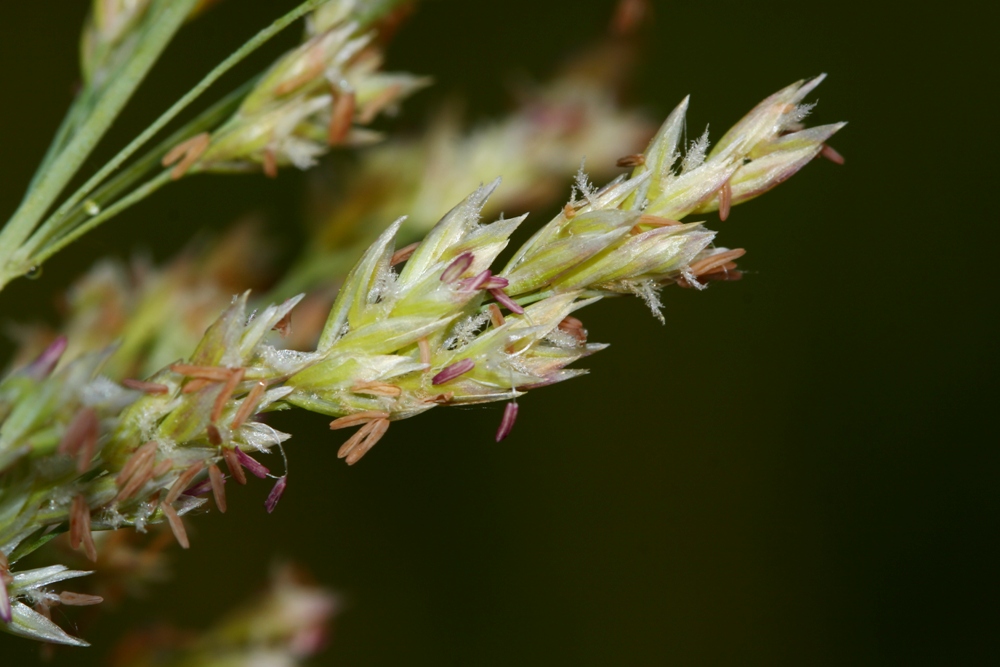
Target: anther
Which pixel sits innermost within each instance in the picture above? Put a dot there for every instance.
(496, 317)
(709, 264)
(269, 162)
(176, 525)
(453, 371)
(145, 387)
(357, 418)
(341, 117)
(725, 200)
(186, 154)
(255, 467)
(377, 389)
(249, 405)
(507, 422)
(218, 487)
(276, 492)
(284, 325)
(79, 599)
(183, 481)
(233, 463)
(459, 266)
(214, 435)
(507, 302)
(832, 155)
(636, 160)
(235, 377)
(362, 441)
(403, 254)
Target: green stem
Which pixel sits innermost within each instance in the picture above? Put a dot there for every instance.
(207, 120)
(162, 27)
(132, 198)
(66, 129)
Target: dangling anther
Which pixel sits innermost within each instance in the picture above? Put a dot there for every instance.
(832, 155)
(269, 162)
(176, 525)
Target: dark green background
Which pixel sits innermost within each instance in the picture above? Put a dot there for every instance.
(799, 469)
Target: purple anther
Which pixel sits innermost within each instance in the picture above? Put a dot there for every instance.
(457, 267)
(496, 282)
(251, 464)
(507, 423)
(506, 301)
(453, 371)
(200, 489)
(276, 493)
(477, 282)
(47, 360)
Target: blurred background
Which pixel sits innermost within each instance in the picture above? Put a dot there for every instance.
(797, 469)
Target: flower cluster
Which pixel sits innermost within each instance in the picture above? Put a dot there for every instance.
(318, 95)
(416, 327)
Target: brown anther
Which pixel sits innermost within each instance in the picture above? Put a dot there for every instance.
(652, 221)
(403, 254)
(341, 117)
(377, 389)
(214, 373)
(313, 70)
(183, 481)
(574, 328)
(425, 350)
(79, 599)
(137, 471)
(234, 465)
(146, 387)
(163, 467)
(143, 473)
(636, 160)
(358, 418)
(214, 435)
(80, 439)
(441, 399)
(218, 487)
(569, 211)
(235, 377)
(832, 155)
(249, 405)
(176, 525)
(365, 438)
(496, 317)
(148, 449)
(283, 326)
(713, 262)
(197, 384)
(378, 103)
(187, 152)
(270, 163)
(725, 200)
